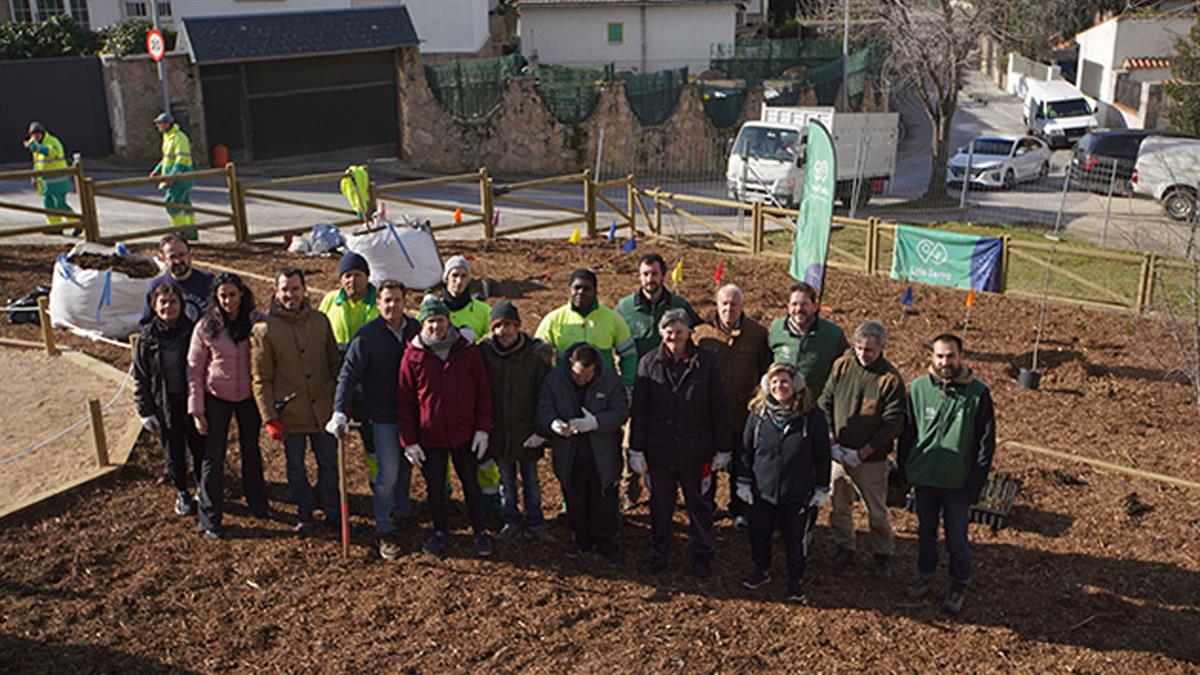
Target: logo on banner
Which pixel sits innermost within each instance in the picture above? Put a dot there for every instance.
(932, 253)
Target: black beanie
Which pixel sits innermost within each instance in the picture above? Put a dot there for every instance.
(505, 311)
(353, 261)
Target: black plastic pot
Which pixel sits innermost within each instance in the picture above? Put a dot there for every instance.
(1029, 379)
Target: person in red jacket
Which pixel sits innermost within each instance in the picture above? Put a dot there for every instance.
(444, 405)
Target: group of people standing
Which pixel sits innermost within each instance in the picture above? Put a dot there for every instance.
(798, 416)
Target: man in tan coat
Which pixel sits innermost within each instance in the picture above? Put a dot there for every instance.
(294, 362)
(743, 355)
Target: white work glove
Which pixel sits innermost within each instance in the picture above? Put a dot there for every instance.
(744, 492)
(850, 458)
(338, 425)
(561, 428)
(415, 455)
(585, 424)
(151, 424)
(637, 462)
(836, 452)
(479, 444)
(534, 441)
(721, 461)
(820, 497)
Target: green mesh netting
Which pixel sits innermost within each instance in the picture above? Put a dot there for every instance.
(723, 105)
(825, 79)
(473, 88)
(756, 59)
(653, 95)
(571, 94)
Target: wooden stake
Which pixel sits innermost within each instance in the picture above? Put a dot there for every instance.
(47, 330)
(96, 418)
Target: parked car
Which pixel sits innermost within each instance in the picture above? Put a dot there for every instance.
(1000, 161)
(1099, 153)
(1168, 169)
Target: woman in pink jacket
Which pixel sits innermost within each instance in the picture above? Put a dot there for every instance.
(219, 389)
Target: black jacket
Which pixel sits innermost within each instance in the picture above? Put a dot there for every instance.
(682, 423)
(150, 387)
(785, 465)
(372, 362)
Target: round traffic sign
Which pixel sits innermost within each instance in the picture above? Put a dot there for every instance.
(156, 44)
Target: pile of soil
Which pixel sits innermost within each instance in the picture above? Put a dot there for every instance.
(132, 267)
(111, 576)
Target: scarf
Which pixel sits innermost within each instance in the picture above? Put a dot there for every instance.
(457, 302)
(778, 413)
(440, 348)
(520, 342)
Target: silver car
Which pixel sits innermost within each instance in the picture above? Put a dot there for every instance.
(1000, 161)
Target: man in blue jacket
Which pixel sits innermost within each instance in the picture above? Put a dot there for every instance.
(373, 361)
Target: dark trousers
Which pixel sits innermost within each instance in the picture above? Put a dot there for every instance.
(793, 521)
(592, 509)
(219, 412)
(953, 508)
(181, 442)
(465, 465)
(325, 448)
(663, 482)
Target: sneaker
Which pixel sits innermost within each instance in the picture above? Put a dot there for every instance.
(843, 559)
(653, 566)
(953, 603)
(920, 588)
(701, 568)
(741, 523)
(183, 504)
(797, 596)
(508, 533)
(212, 535)
(436, 544)
(757, 580)
(573, 550)
(539, 533)
(882, 567)
(483, 545)
(388, 548)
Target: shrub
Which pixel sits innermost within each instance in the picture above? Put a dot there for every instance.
(129, 37)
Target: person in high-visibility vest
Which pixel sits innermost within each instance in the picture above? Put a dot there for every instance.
(176, 159)
(48, 154)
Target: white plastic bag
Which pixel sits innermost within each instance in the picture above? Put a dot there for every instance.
(97, 301)
(325, 238)
(406, 253)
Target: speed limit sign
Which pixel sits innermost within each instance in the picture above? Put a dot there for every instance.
(156, 44)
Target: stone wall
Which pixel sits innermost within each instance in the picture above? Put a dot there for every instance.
(134, 99)
(522, 137)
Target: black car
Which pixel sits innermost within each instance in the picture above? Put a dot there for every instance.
(1093, 158)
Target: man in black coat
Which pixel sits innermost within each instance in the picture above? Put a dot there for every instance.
(680, 434)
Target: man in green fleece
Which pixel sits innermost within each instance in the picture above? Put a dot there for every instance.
(805, 340)
(864, 404)
(946, 452)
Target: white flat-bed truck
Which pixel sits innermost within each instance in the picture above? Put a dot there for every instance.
(766, 161)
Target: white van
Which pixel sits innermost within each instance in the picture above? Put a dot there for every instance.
(1057, 113)
(1168, 169)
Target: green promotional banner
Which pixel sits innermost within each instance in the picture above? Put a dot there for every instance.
(947, 258)
(811, 245)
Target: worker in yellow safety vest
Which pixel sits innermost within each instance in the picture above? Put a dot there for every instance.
(176, 159)
(48, 154)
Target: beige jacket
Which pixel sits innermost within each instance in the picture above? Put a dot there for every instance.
(294, 358)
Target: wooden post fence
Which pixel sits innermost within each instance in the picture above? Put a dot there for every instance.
(487, 204)
(99, 441)
(47, 330)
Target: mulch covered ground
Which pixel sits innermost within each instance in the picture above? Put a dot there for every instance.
(1086, 576)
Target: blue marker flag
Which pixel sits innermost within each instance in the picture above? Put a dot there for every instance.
(612, 231)
(907, 298)
(629, 245)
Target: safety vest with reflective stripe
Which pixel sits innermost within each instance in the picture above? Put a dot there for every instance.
(176, 152)
(48, 155)
(355, 185)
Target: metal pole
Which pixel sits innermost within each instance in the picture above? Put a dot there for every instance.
(1112, 183)
(599, 153)
(162, 64)
(1062, 205)
(846, 57)
(962, 195)
(859, 158)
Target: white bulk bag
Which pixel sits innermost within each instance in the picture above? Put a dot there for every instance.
(406, 253)
(97, 301)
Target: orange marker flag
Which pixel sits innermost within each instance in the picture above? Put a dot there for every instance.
(970, 298)
(458, 216)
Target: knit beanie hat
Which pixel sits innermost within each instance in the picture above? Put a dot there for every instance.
(432, 305)
(353, 261)
(453, 262)
(505, 311)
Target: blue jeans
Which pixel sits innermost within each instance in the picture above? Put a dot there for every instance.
(509, 494)
(953, 508)
(391, 485)
(325, 448)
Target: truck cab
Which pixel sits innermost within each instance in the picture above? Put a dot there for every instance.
(1058, 113)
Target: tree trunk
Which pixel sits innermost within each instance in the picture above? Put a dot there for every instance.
(942, 123)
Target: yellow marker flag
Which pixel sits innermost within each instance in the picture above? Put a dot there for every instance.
(575, 236)
(677, 273)
(970, 298)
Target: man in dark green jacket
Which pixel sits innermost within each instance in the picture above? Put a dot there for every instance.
(805, 340)
(516, 366)
(644, 308)
(946, 452)
(864, 404)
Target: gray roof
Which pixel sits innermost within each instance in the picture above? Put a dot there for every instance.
(255, 37)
